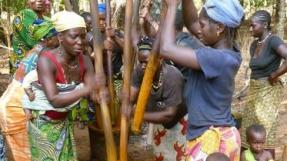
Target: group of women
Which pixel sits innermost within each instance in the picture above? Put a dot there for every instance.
(65, 76)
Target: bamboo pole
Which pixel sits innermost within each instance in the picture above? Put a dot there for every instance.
(284, 155)
(110, 67)
(146, 86)
(127, 78)
(98, 49)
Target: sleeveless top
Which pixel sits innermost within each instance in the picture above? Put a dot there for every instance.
(60, 78)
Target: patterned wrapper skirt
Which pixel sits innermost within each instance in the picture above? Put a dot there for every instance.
(216, 139)
(262, 107)
(51, 140)
(169, 144)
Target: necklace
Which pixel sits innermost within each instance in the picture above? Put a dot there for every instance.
(260, 42)
(159, 81)
(73, 67)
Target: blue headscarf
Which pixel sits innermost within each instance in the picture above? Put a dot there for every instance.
(227, 12)
(102, 8)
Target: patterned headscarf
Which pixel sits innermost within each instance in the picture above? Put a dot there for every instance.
(43, 29)
(145, 43)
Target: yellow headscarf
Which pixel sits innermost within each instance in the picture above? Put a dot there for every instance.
(66, 20)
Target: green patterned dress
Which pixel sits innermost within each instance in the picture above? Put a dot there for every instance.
(23, 40)
(53, 140)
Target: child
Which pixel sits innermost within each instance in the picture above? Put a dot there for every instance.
(217, 157)
(28, 79)
(256, 137)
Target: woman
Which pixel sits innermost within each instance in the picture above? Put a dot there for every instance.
(13, 121)
(265, 89)
(23, 39)
(51, 131)
(210, 80)
(163, 107)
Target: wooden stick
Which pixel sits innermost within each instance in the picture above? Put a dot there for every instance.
(110, 67)
(146, 86)
(127, 77)
(98, 47)
(136, 9)
(284, 154)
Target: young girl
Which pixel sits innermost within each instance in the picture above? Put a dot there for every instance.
(256, 138)
(210, 80)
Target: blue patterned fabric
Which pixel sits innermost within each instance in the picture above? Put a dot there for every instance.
(2, 149)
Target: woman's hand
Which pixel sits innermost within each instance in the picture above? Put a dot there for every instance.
(110, 32)
(108, 44)
(273, 80)
(28, 114)
(128, 111)
(98, 90)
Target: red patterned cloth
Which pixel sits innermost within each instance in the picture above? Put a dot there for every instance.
(169, 144)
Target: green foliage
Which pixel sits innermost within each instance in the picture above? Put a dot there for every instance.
(261, 3)
(13, 5)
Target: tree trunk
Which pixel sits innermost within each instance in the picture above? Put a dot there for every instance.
(72, 5)
(276, 10)
(282, 17)
(75, 4)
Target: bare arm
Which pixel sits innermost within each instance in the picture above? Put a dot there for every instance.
(46, 73)
(134, 94)
(181, 55)
(150, 26)
(161, 117)
(190, 16)
(282, 51)
(119, 41)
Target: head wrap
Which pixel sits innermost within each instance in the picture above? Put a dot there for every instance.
(145, 43)
(66, 20)
(227, 12)
(102, 8)
(43, 29)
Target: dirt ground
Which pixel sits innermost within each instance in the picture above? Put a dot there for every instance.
(136, 152)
